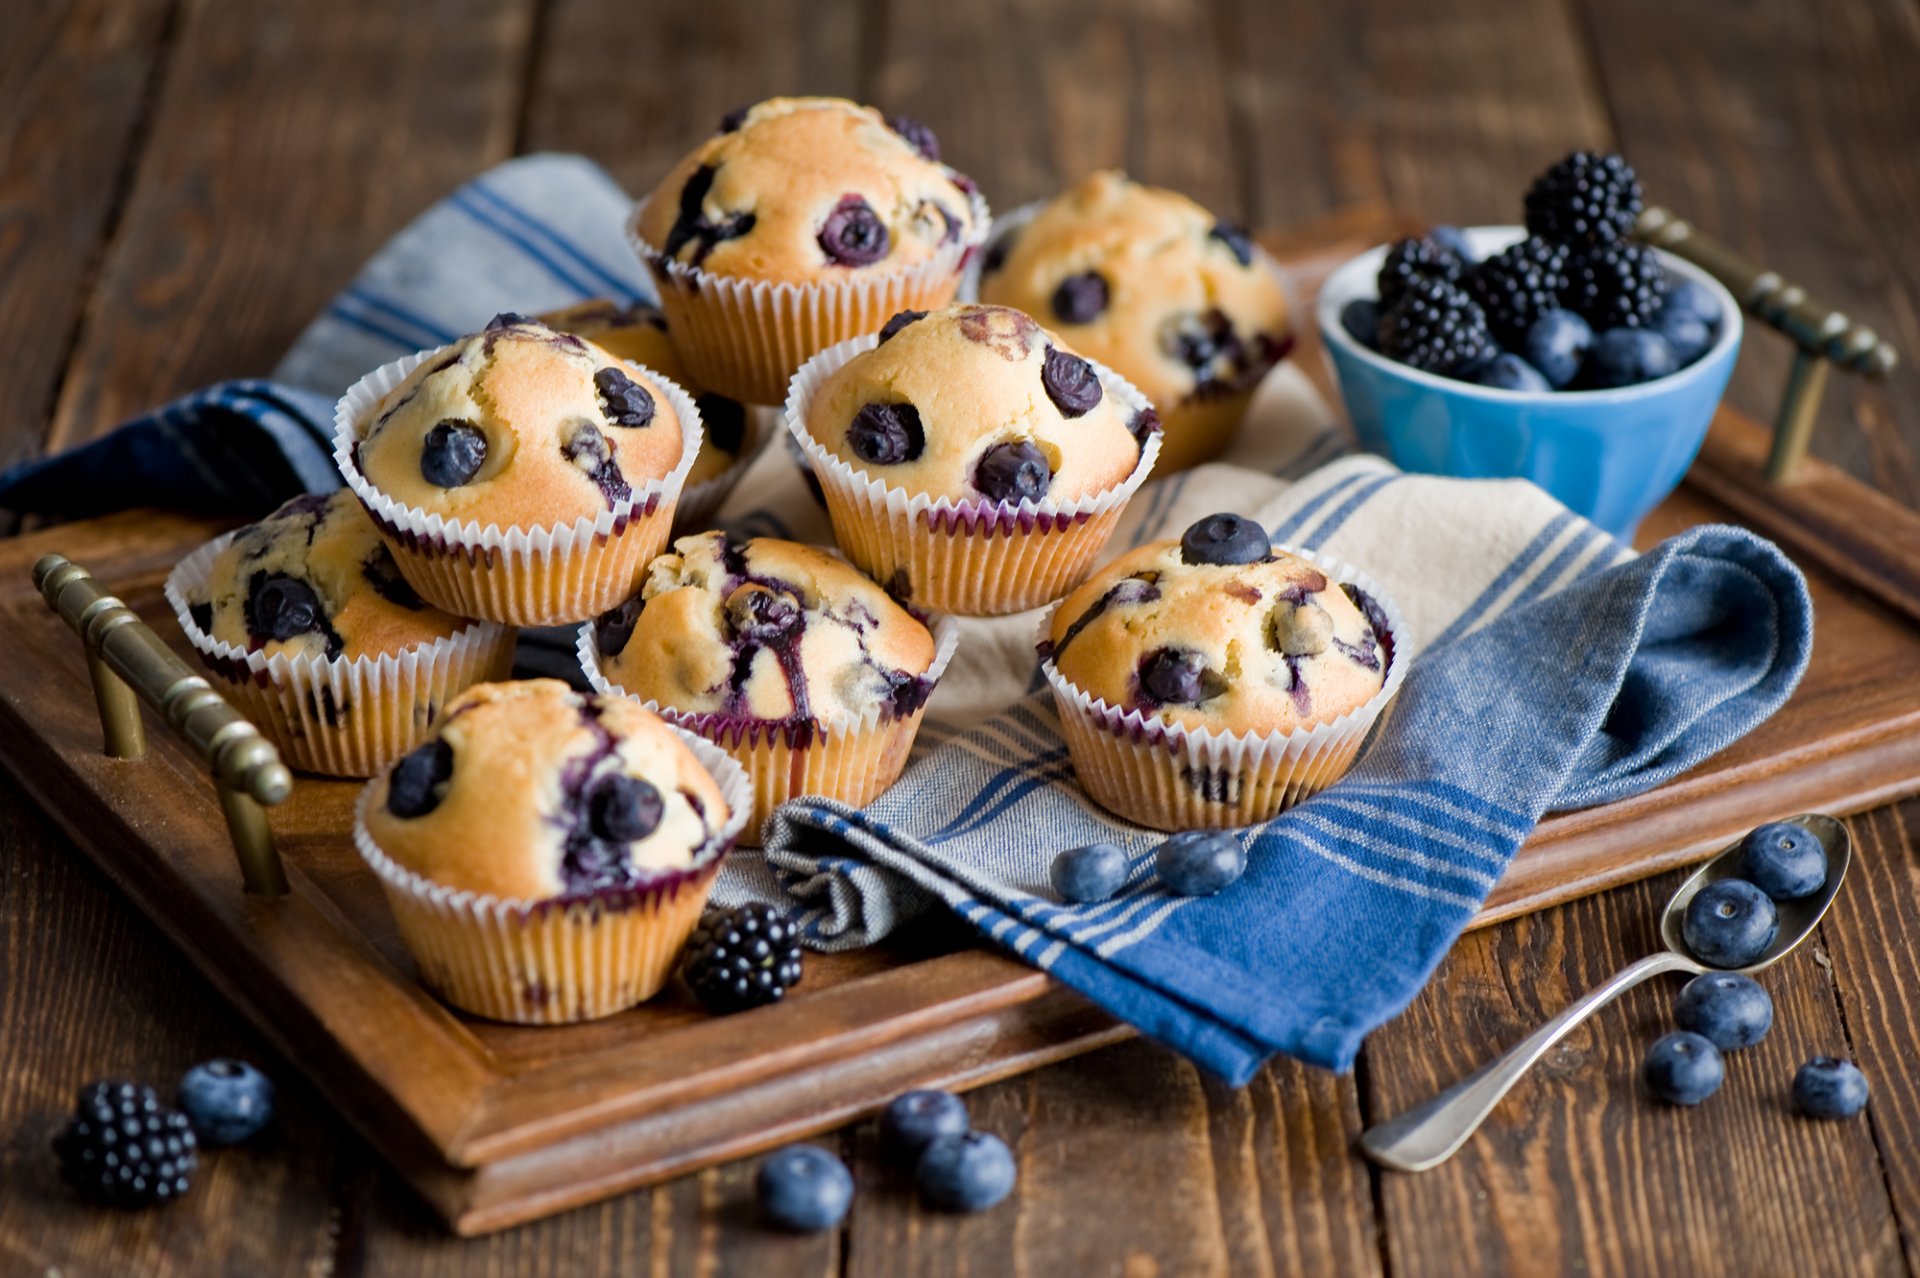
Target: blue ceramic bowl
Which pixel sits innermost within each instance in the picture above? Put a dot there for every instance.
(1611, 455)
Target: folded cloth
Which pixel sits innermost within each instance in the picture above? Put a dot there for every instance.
(1555, 668)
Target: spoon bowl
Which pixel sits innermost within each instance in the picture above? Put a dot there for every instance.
(1797, 918)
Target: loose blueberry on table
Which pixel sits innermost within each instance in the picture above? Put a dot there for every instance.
(1784, 860)
(1091, 873)
(916, 1119)
(803, 1188)
(1200, 862)
(742, 958)
(126, 1148)
(1730, 923)
(969, 1172)
(227, 1101)
(1729, 1010)
(1683, 1068)
(1827, 1087)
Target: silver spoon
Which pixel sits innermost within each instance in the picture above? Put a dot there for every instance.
(1427, 1135)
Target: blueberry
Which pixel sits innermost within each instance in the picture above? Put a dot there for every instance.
(281, 607)
(1556, 346)
(914, 1120)
(886, 434)
(899, 321)
(508, 319)
(692, 225)
(613, 629)
(725, 421)
(383, 574)
(1690, 297)
(1070, 382)
(1176, 676)
(586, 448)
(452, 453)
(1361, 319)
(1728, 1009)
(413, 787)
(1091, 873)
(1688, 335)
(1454, 240)
(1080, 298)
(1827, 1087)
(227, 1101)
(803, 1188)
(970, 1172)
(1683, 1068)
(853, 234)
(1784, 860)
(1144, 423)
(1200, 862)
(624, 809)
(1013, 471)
(1225, 539)
(1509, 372)
(1629, 356)
(733, 119)
(1730, 923)
(762, 616)
(627, 402)
(918, 135)
(1235, 237)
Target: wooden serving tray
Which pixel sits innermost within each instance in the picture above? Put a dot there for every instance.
(497, 1124)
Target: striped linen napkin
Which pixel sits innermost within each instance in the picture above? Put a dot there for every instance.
(1555, 668)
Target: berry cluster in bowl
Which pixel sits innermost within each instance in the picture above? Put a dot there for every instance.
(1575, 305)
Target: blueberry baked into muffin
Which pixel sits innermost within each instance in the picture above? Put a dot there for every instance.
(970, 459)
(546, 853)
(322, 642)
(1149, 283)
(521, 474)
(1214, 680)
(786, 657)
(799, 223)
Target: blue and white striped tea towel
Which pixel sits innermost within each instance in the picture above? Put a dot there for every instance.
(1556, 668)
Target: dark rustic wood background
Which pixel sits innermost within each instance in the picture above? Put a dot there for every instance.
(184, 182)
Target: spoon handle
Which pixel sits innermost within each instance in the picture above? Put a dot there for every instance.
(1429, 1134)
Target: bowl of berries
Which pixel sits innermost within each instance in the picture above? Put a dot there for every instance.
(1560, 351)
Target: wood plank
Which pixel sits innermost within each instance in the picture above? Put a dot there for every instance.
(288, 142)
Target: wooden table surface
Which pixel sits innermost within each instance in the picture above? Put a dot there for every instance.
(184, 182)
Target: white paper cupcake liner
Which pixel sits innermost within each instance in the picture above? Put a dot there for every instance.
(339, 716)
(744, 337)
(971, 558)
(564, 960)
(1174, 778)
(701, 502)
(518, 576)
(852, 758)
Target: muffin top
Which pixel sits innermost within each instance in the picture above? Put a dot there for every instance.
(314, 579)
(803, 190)
(531, 791)
(764, 629)
(519, 426)
(638, 332)
(1147, 282)
(977, 402)
(1222, 632)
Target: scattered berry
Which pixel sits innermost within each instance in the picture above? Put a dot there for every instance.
(1361, 319)
(1415, 258)
(1556, 345)
(1683, 1068)
(741, 958)
(1827, 1087)
(970, 1172)
(1436, 327)
(1784, 860)
(1225, 539)
(227, 1101)
(803, 1188)
(1518, 285)
(916, 1119)
(1200, 862)
(1588, 199)
(1621, 286)
(125, 1148)
(1627, 357)
(1729, 1010)
(1091, 873)
(1730, 923)
(1510, 372)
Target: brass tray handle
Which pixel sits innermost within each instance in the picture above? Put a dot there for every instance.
(129, 664)
(1824, 336)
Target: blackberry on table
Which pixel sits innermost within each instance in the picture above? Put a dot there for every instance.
(1588, 200)
(745, 957)
(1416, 257)
(125, 1148)
(1437, 328)
(1621, 286)
(1517, 286)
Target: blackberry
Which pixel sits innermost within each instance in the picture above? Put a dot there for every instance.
(1415, 258)
(124, 1148)
(1437, 328)
(1517, 286)
(1621, 286)
(741, 958)
(1588, 200)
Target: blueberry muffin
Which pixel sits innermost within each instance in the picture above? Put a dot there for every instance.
(969, 458)
(546, 853)
(521, 474)
(1215, 679)
(1158, 289)
(781, 654)
(802, 222)
(327, 648)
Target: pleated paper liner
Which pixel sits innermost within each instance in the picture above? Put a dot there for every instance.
(339, 716)
(971, 558)
(744, 338)
(1157, 774)
(852, 758)
(518, 576)
(565, 960)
